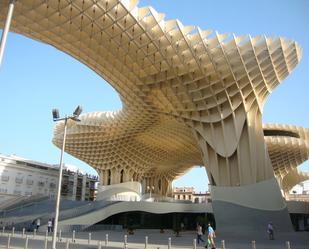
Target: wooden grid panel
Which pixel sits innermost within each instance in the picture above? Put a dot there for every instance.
(287, 152)
(190, 96)
(292, 178)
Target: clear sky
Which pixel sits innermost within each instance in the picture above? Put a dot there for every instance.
(35, 78)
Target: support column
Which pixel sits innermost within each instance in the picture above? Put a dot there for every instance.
(6, 29)
(241, 174)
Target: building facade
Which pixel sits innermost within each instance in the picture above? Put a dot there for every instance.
(77, 186)
(20, 177)
(189, 194)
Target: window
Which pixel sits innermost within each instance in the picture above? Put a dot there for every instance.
(3, 190)
(19, 180)
(41, 184)
(5, 178)
(29, 182)
(20, 162)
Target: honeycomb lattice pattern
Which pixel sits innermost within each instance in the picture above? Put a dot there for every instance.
(292, 178)
(287, 150)
(190, 96)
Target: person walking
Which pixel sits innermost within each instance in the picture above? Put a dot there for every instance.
(49, 226)
(199, 233)
(270, 231)
(38, 223)
(211, 236)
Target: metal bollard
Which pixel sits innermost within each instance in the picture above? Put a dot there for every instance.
(106, 239)
(3, 228)
(26, 242)
(13, 231)
(9, 241)
(169, 245)
(34, 233)
(73, 236)
(253, 244)
(288, 245)
(59, 237)
(194, 244)
(45, 243)
(146, 242)
(67, 245)
(223, 244)
(23, 234)
(89, 238)
(46, 234)
(99, 245)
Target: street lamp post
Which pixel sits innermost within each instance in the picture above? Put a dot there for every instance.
(6, 29)
(56, 118)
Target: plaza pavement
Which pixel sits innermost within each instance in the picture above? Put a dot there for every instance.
(156, 240)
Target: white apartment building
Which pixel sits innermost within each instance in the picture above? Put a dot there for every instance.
(189, 194)
(20, 177)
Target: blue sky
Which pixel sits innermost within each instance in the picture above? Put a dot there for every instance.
(35, 78)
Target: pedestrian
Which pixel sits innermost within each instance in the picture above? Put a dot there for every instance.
(199, 233)
(270, 230)
(49, 226)
(211, 236)
(38, 223)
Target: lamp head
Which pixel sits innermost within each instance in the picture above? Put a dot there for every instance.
(78, 111)
(55, 114)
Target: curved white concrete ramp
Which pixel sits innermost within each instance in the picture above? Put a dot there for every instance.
(91, 218)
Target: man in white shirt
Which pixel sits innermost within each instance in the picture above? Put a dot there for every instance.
(38, 223)
(199, 234)
(49, 225)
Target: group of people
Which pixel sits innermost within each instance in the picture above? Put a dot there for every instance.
(50, 224)
(212, 235)
(210, 238)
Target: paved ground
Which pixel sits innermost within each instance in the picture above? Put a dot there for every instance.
(156, 240)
